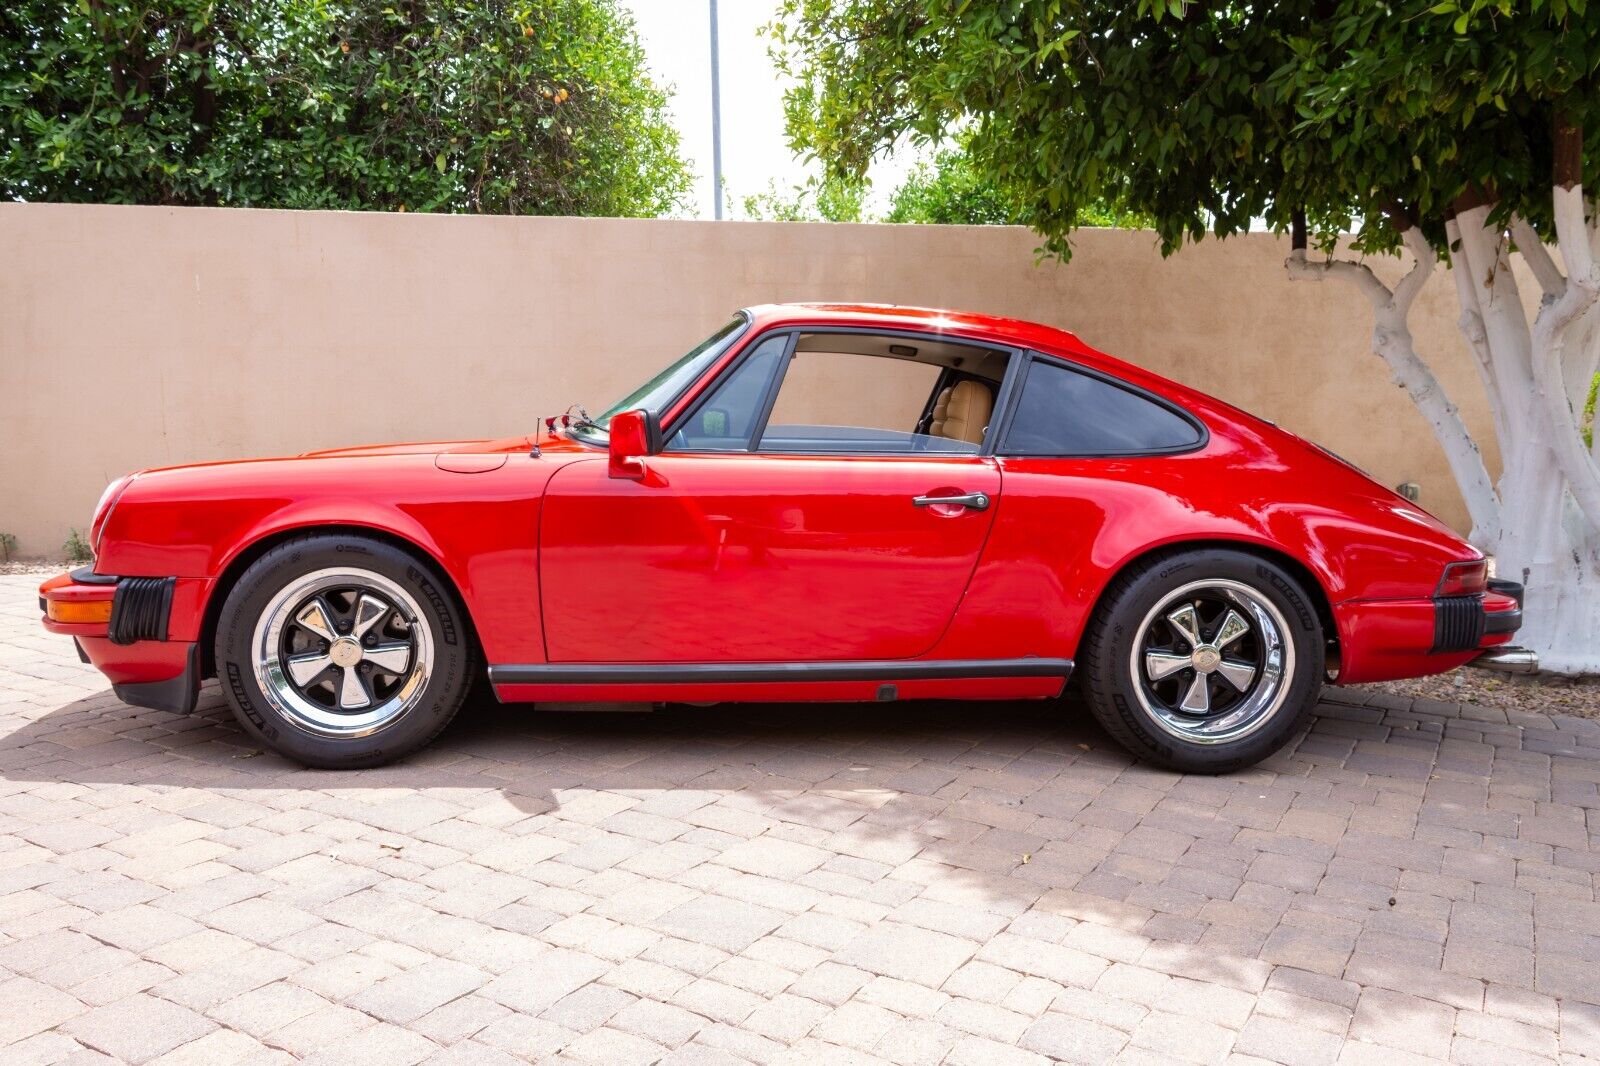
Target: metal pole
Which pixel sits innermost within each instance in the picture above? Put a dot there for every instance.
(716, 121)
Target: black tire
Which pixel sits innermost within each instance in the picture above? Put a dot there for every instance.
(427, 702)
(1122, 700)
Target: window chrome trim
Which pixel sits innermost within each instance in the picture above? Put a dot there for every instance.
(1014, 357)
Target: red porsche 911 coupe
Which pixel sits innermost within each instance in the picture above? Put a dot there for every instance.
(819, 502)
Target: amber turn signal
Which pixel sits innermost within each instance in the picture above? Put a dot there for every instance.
(80, 612)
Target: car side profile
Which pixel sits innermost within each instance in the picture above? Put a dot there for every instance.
(819, 502)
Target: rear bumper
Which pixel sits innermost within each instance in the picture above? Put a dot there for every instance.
(1381, 640)
(149, 648)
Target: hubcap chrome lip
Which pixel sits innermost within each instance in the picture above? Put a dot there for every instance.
(1263, 695)
(273, 670)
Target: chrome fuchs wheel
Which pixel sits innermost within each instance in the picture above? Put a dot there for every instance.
(1204, 659)
(1211, 659)
(342, 652)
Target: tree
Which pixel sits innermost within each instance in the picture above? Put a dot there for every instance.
(954, 191)
(414, 105)
(1456, 130)
(825, 199)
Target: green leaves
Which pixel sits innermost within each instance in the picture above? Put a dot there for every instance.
(1200, 117)
(491, 106)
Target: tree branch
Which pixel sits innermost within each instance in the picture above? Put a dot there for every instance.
(1553, 327)
(1415, 278)
(1301, 269)
(1566, 168)
(1472, 328)
(1393, 343)
(1401, 217)
(1479, 255)
(1537, 256)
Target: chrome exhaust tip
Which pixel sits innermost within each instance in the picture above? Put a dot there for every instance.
(1508, 659)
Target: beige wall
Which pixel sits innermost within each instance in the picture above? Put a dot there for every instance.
(141, 336)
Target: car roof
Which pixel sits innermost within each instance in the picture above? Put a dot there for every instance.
(1013, 332)
(924, 319)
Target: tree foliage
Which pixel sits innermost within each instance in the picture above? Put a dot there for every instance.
(826, 199)
(947, 190)
(1204, 117)
(953, 190)
(542, 108)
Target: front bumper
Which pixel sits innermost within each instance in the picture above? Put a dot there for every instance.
(1382, 640)
(148, 647)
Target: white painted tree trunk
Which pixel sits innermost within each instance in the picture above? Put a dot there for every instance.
(1541, 520)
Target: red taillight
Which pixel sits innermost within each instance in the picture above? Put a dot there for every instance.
(1466, 578)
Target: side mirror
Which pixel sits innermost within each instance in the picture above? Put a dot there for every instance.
(633, 435)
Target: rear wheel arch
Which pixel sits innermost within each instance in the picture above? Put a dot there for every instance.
(246, 556)
(1313, 586)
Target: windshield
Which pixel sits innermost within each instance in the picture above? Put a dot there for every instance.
(657, 394)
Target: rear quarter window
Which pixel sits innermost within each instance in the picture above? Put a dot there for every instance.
(1064, 412)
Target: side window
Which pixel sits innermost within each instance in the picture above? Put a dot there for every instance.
(850, 394)
(725, 421)
(846, 390)
(1063, 412)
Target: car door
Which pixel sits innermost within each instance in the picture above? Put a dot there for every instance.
(753, 538)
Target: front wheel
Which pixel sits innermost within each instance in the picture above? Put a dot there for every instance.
(1204, 661)
(343, 652)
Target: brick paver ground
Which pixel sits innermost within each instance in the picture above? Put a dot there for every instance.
(916, 883)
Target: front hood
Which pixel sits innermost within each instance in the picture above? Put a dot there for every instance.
(428, 447)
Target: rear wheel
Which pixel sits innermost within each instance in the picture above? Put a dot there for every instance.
(342, 652)
(1206, 660)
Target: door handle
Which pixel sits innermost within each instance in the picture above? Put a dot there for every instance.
(973, 501)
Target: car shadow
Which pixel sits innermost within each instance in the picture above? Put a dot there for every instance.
(1013, 808)
(1016, 797)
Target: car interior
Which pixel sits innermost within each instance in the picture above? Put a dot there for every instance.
(851, 393)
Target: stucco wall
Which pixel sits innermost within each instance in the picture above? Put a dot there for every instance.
(142, 336)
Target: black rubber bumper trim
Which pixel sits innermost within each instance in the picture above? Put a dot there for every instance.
(1507, 588)
(141, 609)
(1457, 622)
(176, 694)
(1502, 622)
(85, 575)
(740, 673)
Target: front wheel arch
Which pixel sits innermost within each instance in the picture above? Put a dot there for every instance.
(247, 555)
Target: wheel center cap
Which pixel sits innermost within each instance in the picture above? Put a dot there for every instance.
(1205, 659)
(345, 652)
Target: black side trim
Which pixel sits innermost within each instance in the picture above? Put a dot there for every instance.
(1457, 623)
(141, 609)
(177, 694)
(1507, 588)
(85, 575)
(736, 673)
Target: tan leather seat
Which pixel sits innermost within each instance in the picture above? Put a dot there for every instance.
(962, 412)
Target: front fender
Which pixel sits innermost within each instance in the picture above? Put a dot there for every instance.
(479, 529)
